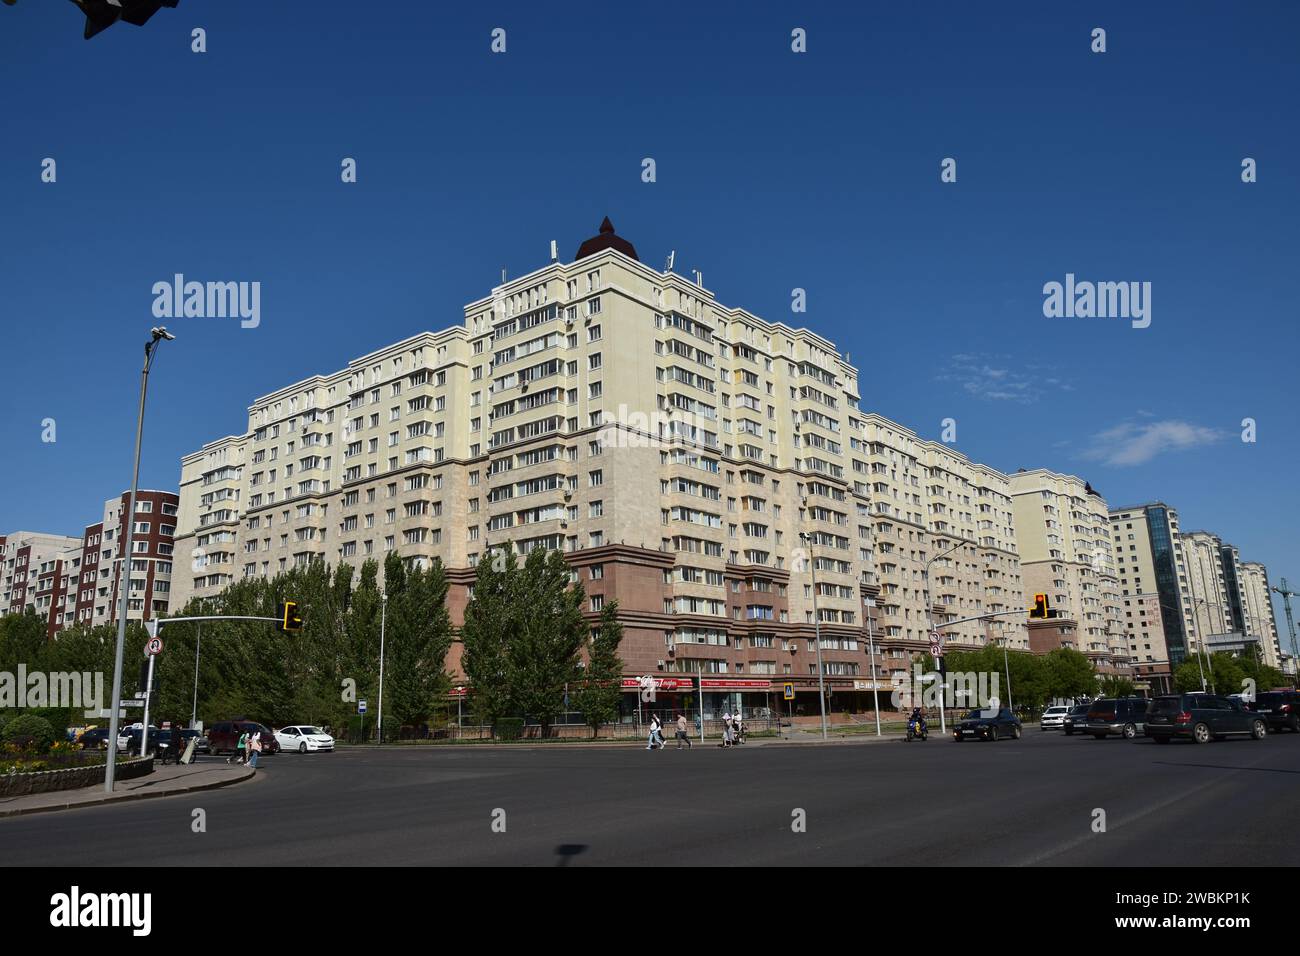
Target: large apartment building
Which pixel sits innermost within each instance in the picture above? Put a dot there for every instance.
(1064, 539)
(1257, 607)
(707, 468)
(68, 580)
(1154, 589)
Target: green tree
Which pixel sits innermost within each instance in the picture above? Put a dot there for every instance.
(1070, 674)
(544, 650)
(490, 620)
(417, 638)
(1112, 686)
(599, 691)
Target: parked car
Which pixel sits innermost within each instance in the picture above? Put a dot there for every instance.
(1075, 719)
(157, 738)
(980, 725)
(125, 734)
(1053, 718)
(96, 738)
(1280, 708)
(1201, 717)
(224, 736)
(304, 738)
(1121, 716)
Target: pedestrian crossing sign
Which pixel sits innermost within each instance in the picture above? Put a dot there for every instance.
(789, 691)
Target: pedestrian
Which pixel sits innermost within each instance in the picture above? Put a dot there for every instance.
(254, 747)
(238, 756)
(726, 728)
(738, 721)
(654, 732)
(177, 741)
(681, 732)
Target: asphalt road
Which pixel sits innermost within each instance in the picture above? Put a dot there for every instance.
(1022, 802)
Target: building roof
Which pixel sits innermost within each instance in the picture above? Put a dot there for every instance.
(606, 240)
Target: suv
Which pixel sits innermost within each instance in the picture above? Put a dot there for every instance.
(1201, 717)
(1123, 716)
(224, 736)
(1075, 719)
(1280, 708)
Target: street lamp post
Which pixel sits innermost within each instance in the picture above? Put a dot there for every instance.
(383, 617)
(871, 646)
(124, 572)
(929, 617)
(198, 643)
(817, 632)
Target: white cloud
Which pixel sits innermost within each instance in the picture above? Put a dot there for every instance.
(992, 378)
(1136, 443)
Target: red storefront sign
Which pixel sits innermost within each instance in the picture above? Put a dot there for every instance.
(670, 684)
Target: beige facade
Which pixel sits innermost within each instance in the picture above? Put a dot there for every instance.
(1063, 536)
(709, 469)
(1258, 607)
(1211, 602)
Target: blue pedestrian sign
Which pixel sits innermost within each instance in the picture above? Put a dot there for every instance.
(361, 707)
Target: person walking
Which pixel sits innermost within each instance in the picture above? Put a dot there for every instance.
(254, 747)
(177, 742)
(681, 732)
(726, 728)
(240, 749)
(655, 738)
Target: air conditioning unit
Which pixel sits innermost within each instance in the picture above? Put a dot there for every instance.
(567, 494)
(659, 664)
(563, 523)
(523, 386)
(586, 319)
(672, 650)
(568, 321)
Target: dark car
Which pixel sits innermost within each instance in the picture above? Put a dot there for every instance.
(985, 725)
(1201, 717)
(1280, 708)
(224, 736)
(157, 739)
(1121, 716)
(94, 739)
(1075, 719)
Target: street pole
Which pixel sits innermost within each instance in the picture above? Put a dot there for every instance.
(383, 617)
(1007, 666)
(929, 618)
(459, 697)
(699, 679)
(1286, 592)
(198, 643)
(148, 695)
(871, 645)
(124, 570)
(817, 633)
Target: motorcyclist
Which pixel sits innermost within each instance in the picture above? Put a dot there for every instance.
(917, 720)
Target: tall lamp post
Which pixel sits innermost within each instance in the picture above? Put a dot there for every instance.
(871, 647)
(124, 573)
(929, 618)
(817, 631)
(383, 617)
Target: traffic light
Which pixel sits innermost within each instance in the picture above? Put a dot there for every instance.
(1039, 610)
(290, 621)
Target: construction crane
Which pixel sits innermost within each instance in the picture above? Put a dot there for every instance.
(1286, 592)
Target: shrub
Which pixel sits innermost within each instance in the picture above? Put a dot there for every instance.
(30, 732)
(509, 728)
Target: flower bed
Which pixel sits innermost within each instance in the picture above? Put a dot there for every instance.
(18, 783)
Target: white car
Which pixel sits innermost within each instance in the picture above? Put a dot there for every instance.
(1053, 718)
(304, 738)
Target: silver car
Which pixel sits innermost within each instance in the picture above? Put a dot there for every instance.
(1053, 718)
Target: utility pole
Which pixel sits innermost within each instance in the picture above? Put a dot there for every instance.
(124, 569)
(383, 617)
(817, 632)
(1286, 592)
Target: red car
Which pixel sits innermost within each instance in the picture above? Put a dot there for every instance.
(224, 736)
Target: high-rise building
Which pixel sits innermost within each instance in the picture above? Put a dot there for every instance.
(1156, 598)
(1257, 604)
(708, 469)
(1064, 539)
(1211, 601)
(76, 580)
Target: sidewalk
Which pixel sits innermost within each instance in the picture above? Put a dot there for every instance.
(163, 782)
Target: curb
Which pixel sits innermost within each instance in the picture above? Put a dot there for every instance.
(121, 797)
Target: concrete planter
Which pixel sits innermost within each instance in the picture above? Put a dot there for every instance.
(74, 778)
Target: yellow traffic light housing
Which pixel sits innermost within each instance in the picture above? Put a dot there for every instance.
(290, 620)
(1039, 610)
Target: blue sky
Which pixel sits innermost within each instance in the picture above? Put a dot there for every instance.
(775, 171)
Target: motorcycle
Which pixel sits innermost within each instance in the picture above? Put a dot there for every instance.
(916, 729)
